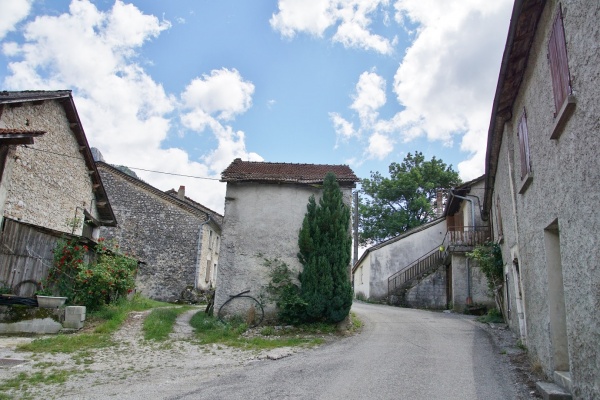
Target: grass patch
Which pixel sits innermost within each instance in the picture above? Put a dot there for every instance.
(493, 316)
(105, 321)
(24, 381)
(210, 330)
(159, 324)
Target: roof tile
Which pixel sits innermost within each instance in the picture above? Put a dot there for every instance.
(240, 171)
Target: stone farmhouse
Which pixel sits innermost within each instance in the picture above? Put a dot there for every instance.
(265, 204)
(176, 239)
(49, 184)
(426, 267)
(542, 186)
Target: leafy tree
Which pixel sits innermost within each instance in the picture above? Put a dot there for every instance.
(325, 251)
(405, 200)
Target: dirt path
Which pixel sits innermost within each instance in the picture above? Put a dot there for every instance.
(114, 370)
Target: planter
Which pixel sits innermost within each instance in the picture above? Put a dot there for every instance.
(50, 301)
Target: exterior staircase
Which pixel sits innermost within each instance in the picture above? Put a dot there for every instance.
(402, 280)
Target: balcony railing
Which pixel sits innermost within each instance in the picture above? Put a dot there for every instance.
(468, 236)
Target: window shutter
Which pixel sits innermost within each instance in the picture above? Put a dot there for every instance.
(499, 217)
(524, 146)
(557, 55)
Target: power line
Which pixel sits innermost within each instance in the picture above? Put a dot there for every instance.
(172, 173)
(140, 169)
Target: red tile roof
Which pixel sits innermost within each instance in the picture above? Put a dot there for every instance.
(244, 171)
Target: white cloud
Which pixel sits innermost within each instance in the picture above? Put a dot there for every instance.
(380, 146)
(224, 93)
(125, 113)
(370, 96)
(310, 16)
(344, 129)
(12, 12)
(445, 83)
(352, 18)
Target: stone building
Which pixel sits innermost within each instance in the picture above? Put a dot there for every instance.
(265, 204)
(427, 266)
(49, 184)
(175, 238)
(542, 186)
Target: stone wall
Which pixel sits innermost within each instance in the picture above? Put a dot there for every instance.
(550, 227)
(158, 229)
(429, 292)
(47, 183)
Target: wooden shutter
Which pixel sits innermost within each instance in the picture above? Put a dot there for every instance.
(498, 217)
(524, 146)
(557, 56)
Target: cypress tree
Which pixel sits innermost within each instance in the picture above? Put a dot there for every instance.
(325, 250)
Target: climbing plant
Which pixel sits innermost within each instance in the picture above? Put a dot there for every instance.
(489, 260)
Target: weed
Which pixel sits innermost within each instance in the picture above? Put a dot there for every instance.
(267, 331)
(493, 316)
(521, 345)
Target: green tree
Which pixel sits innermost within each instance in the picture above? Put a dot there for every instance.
(325, 250)
(394, 205)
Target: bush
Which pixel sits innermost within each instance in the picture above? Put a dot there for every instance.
(106, 278)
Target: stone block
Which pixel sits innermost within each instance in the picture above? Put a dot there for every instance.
(551, 391)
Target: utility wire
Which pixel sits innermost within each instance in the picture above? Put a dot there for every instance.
(140, 169)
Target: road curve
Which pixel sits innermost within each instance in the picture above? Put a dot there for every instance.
(400, 354)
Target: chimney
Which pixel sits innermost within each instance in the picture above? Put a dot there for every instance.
(181, 193)
(439, 200)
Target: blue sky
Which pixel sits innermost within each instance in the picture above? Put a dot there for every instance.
(186, 86)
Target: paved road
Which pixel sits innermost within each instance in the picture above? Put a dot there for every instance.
(401, 354)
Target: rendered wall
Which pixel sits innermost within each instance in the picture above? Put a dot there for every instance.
(262, 221)
(395, 254)
(45, 183)
(563, 194)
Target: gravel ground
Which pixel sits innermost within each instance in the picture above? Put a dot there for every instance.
(109, 372)
(135, 364)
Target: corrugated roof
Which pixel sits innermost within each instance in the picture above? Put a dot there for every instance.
(245, 171)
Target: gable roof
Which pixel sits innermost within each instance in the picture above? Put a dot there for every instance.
(191, 208)
(215, 215)
(454, 202)
(65, 98)
(523, 25)
(268, 172)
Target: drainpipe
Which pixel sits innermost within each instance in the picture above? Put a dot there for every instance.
(469, 298)
(199, 249)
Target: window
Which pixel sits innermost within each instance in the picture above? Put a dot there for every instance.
(526, 173)
(557, 56)
(210, 240)
(208, 271)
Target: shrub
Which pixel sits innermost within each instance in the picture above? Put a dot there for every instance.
(108, 276)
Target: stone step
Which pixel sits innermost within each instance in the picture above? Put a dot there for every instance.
(551, 391)
(563, 378)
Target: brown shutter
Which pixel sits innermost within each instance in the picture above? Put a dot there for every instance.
(499, 217)
(524, 146)
(557, 55)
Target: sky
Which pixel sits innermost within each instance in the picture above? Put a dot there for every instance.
(185, 87)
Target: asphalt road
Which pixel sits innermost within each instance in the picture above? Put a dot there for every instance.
(401, 354)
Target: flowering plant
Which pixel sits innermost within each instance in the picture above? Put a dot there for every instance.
(91, 279)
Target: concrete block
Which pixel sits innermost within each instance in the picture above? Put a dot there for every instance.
(551, 391)
(38, 326)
